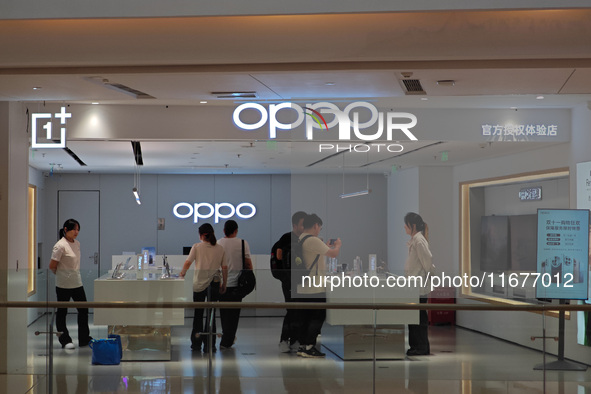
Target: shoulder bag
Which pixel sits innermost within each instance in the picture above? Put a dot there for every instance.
(246, 280)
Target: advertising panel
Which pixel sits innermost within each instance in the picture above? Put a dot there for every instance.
(563, 254)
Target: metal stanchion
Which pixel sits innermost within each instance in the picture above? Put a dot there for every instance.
(50, 352)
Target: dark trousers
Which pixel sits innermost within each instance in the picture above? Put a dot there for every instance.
(288, 329)
(418, 334)
(310, 321)
(229, 317)
(76, 294)
(211, 294)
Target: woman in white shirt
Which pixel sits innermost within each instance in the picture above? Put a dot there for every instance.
(233, 248)
(65, 264)
(418, 263)
(209, 258)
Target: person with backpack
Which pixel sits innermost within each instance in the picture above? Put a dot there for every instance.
(281, 270)
(311, 250)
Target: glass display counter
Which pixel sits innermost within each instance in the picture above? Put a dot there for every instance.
(350, 334)
(145, 333)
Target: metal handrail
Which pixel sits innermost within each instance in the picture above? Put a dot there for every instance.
(293, 305)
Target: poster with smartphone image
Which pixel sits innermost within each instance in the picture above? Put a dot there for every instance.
(563, 254)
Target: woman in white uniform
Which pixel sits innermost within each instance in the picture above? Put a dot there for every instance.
(65, 264)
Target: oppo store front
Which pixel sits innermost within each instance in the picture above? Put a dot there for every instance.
(338, 161)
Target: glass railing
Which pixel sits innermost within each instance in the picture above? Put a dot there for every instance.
(475, 347)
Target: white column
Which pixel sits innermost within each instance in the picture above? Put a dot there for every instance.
(14, 141)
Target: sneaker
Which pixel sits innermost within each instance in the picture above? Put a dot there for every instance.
(301, 351)
(311, 353)
(284, 347)
(82, 344)
(294, 346)
(69, 346)
(222, 347)
(416, 352)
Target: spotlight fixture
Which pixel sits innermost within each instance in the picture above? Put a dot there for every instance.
(137, 196)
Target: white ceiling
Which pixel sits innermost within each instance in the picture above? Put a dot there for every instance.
(498, 59)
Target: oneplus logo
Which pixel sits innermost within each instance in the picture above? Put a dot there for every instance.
(47, 133)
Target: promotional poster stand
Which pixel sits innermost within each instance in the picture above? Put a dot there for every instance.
(563, 256)
(561, 364)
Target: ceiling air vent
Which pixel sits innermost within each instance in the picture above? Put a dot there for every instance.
(413, 86)
(235, 95)
(127, 90)
(118, 87)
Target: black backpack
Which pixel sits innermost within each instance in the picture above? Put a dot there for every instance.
(280, 269)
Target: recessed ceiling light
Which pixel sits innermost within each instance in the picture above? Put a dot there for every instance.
(513, 107)
(330, 84)
(424, 98)
(95, 103)
(540, 97)
(37, 88)
(203, 102)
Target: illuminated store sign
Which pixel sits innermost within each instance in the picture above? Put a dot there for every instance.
(47, 130)
(520, 130)
(394, 121)
(530, 193)
(204, 210)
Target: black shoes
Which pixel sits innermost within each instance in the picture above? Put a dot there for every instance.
(310, 353)
(416, 352)
(206, 349)
(85, 343)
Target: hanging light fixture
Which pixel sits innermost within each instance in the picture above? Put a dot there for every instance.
(367, 190)
(137, 195)
(356, 194)
(137, 152)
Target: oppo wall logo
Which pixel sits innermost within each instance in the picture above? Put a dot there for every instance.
(350, 128)
(205, 210)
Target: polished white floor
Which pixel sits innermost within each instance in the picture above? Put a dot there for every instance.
(462, 361)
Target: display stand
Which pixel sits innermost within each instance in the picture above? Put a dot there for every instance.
(561, 364)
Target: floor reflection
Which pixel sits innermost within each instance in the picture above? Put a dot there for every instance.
(462, 361)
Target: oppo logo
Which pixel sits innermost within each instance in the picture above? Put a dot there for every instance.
(390, 121)
(204, 210)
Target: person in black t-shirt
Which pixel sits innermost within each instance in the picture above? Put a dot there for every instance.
(282, 250)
